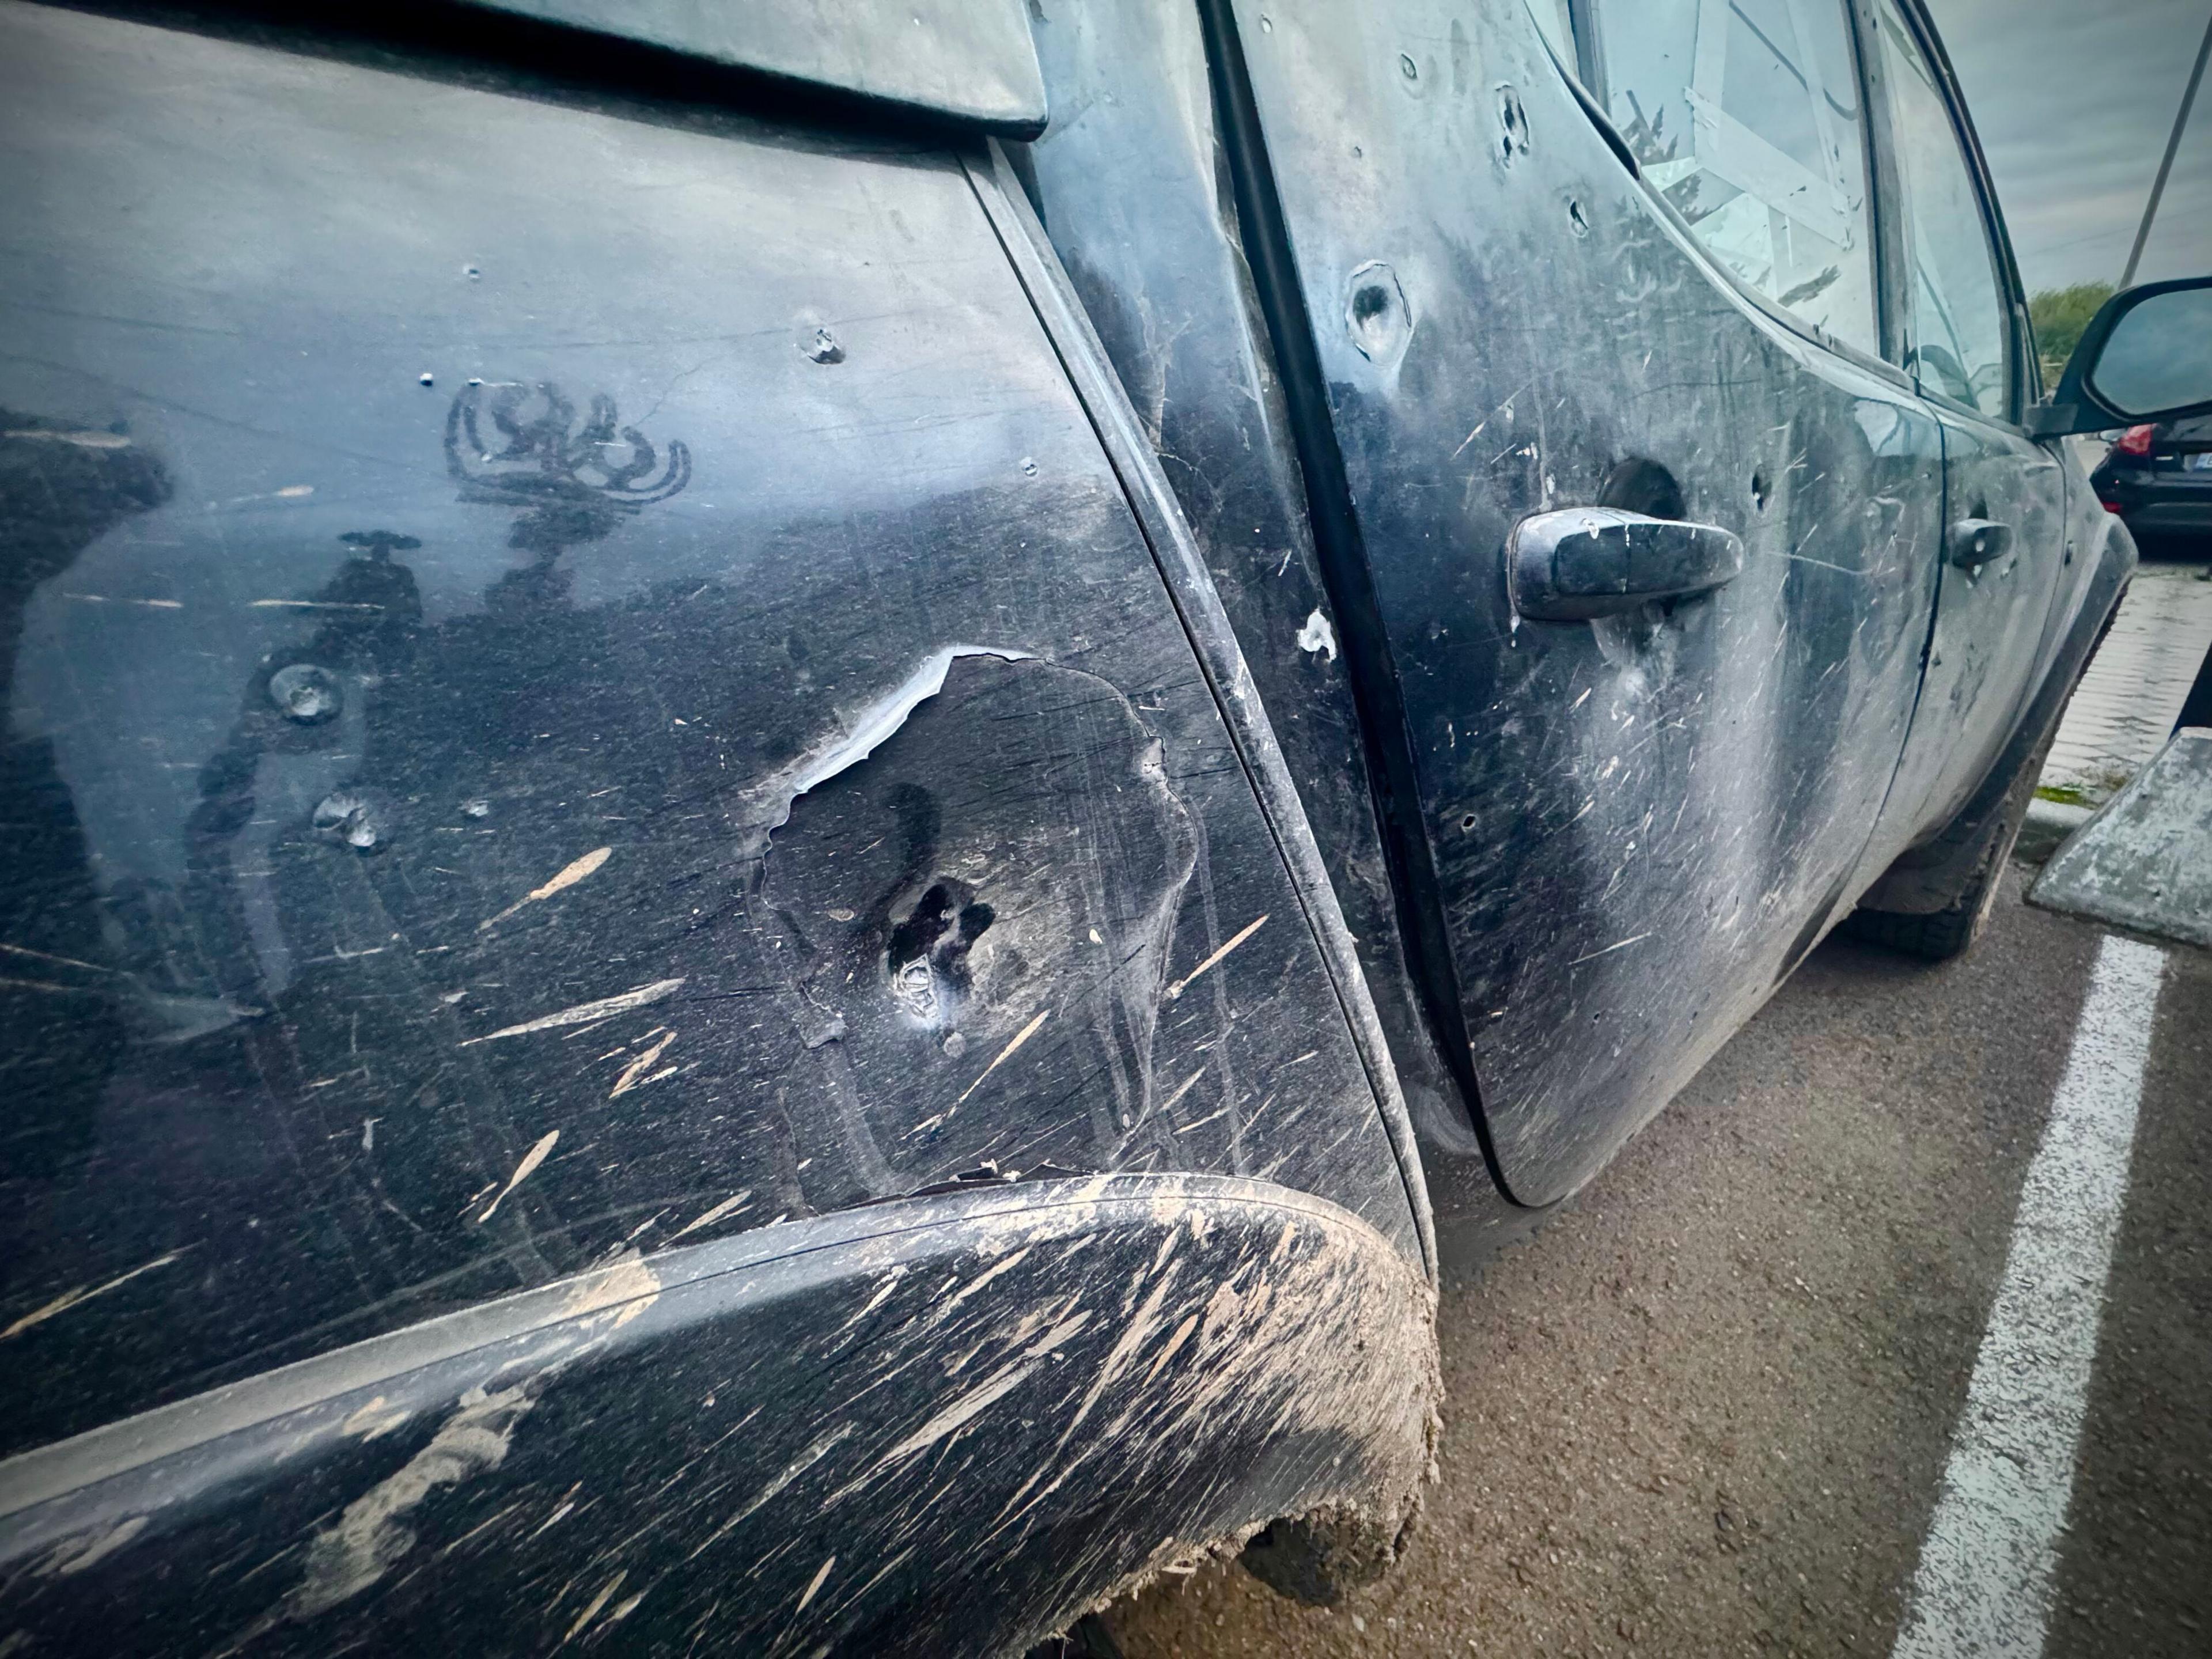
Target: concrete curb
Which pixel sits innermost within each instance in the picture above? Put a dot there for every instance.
(2049, 823)
(2141, 862)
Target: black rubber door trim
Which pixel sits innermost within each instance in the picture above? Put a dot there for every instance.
(1342, 553)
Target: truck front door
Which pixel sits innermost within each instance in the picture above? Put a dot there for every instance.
(2003, 495)
(1614, 834)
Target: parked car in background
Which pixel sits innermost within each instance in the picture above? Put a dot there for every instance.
(2158, 477)
(800, 796)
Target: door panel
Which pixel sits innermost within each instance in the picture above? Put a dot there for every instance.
(1990, 621)
(1632, 825)
(1961, 345)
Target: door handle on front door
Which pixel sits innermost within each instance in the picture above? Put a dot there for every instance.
(1577, 562)
(1975, 541)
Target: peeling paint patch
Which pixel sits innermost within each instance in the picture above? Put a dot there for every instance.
(1235, 939)
(1317, 635)
(1006, 1053)
(986, 1277)
(627, 1287)
(1619, 945)
(373, 1533)
(566, 878)
(591, 1607)
(104, 599)
(877, 723)
(75, 440)
(531, 1160)
(959, 1414)
(806, 1460)
(707, 1218)
(78, 1553)
(1182, 1089)
(375, 1419)
(70, 1298)
(585, 1013)
(634, 1075)
(814, 1584)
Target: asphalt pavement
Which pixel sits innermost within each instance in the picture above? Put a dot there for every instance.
(1708, 1408)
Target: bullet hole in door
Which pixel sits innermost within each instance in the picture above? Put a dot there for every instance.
(1513, 122)
(305, 693)
(926, 956)
(360, 819)
(1376, 313)
(915, 897)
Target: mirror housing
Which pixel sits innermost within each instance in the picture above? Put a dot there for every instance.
(2145, 345)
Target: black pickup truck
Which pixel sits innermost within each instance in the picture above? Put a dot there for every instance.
(798, 797)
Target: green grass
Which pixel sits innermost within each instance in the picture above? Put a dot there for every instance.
(2057, 317)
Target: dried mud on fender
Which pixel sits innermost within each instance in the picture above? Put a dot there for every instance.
(937, 1428)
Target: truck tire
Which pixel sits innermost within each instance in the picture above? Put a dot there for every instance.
(1939, 935)
(1933, 902)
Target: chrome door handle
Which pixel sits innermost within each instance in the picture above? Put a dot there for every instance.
(1978, 541)
(1577, 562)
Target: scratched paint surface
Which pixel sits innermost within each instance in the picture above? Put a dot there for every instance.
(1632, 823)
(1621, 832)
(540, 732)
(623, 1460)
(1129, 181)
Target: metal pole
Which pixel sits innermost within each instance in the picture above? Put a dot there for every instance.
(2165, 167)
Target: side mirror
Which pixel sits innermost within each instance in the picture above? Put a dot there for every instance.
(2145, 356)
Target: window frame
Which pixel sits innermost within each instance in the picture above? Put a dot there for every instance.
(2023, 375)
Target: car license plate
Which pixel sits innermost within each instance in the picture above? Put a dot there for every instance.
(2200, 462)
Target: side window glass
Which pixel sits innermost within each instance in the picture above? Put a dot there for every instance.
(1745, 115)
(1956, 331)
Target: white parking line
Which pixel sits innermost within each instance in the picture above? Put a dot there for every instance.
(1983, 1587)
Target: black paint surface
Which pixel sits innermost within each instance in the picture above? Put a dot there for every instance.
(592, 678)
(431, 747)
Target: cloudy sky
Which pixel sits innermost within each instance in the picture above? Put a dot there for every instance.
(2073, 99)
